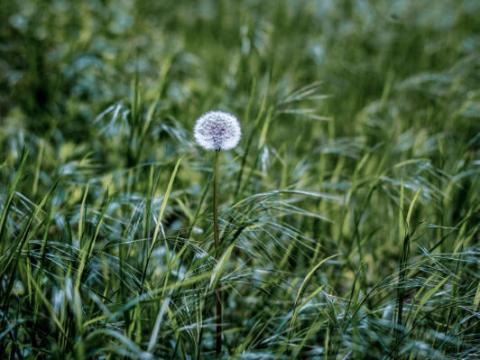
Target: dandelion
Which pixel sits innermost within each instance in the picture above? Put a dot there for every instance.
(217, 130)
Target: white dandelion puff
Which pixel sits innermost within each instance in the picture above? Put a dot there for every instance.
(217, 130)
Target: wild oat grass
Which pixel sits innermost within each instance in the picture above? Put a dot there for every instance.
(349, 213)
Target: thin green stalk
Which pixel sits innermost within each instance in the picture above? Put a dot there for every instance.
(216, 238)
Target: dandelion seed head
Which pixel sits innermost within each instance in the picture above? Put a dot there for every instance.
(217, 130)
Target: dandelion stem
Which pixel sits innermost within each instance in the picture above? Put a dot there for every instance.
(216, 237)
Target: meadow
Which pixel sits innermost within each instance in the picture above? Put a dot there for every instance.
(349, 213)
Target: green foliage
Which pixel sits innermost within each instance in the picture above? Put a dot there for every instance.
(349, 213)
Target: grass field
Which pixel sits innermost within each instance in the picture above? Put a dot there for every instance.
(349, 214)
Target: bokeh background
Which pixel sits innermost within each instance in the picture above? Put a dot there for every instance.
(361, 141)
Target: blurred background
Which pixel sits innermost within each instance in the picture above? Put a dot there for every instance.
(64, 62)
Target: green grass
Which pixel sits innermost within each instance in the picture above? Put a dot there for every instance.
(349, 213)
